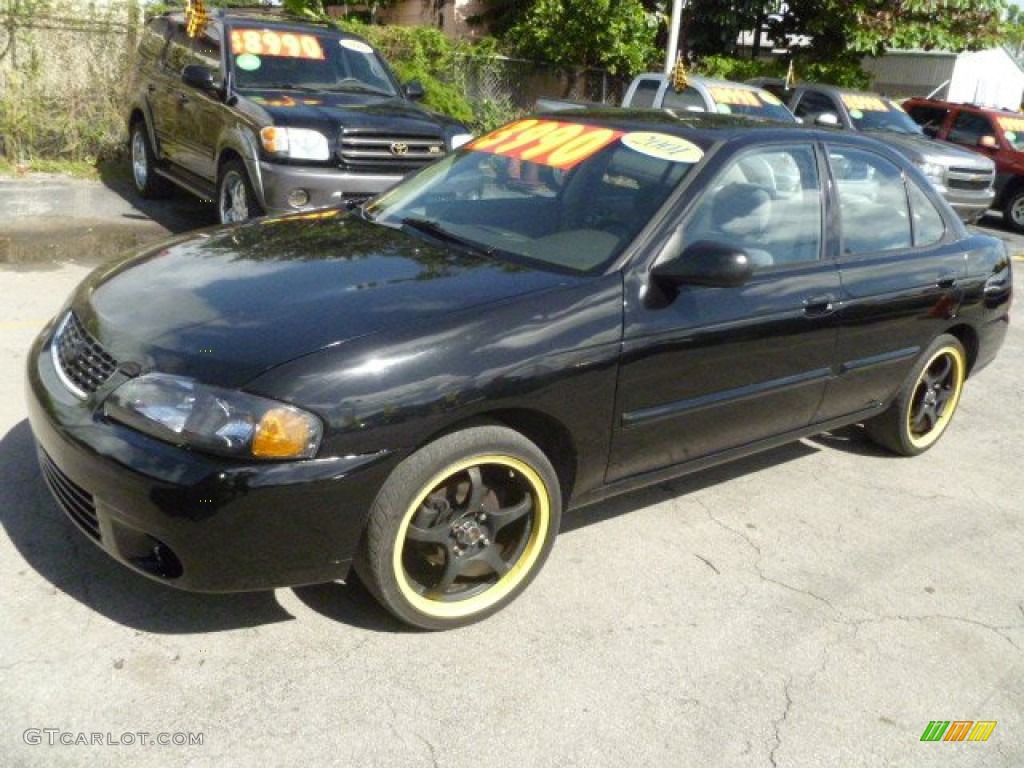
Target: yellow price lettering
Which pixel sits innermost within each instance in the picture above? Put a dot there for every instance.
(499, 136)
(311, 47)
(272, 43)
(552, 141)
(526, 137)
(577, 149)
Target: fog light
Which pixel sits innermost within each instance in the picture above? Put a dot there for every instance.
(298, 198)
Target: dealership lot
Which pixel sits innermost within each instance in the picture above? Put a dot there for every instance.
(817, 605)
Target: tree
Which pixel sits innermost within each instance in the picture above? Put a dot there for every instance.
(574, 35)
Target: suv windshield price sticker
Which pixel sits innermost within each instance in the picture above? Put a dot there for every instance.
(866, 103)
(548, 142)
(739, 97)
(267, 42)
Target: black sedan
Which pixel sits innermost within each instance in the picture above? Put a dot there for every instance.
(566, 309)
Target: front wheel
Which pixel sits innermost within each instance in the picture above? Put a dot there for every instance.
(236, 198)
(925, 403)
(148, 183)
(460, 528)
(1013, 210)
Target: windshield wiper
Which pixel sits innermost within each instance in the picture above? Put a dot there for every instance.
(435, 230)
(286, 87)
(356, 88)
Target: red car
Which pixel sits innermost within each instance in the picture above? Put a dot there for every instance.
(997, 133)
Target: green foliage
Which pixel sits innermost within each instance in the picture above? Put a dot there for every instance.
(617, 35)
(732, 68)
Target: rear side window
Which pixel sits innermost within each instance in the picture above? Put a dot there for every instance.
(873, 208)
(644, 94)
(929, 226)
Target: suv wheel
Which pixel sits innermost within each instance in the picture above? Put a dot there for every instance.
(236, 198)
(147, 182)
(1013, 210)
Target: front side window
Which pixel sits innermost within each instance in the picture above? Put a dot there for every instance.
(766, 201)
(184, 50)
(645, 93)
(812, 104)
(929, 118)
(968, 127)
(873, 210)
(687, 100)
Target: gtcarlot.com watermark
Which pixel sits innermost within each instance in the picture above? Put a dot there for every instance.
(55, 737)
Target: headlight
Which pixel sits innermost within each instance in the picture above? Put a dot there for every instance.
(459, 139)
(296, 143)
(934, 172)
(185, 412)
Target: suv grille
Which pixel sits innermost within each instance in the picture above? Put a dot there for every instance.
(388, 153)
(81, 361)
(76, 502)
(969, 179)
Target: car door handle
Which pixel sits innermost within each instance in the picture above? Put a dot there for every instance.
(818, 306)
(946, 281)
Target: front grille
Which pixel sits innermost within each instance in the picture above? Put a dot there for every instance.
(73, 499)
(969, 179)
(81, 361)
(387, 153)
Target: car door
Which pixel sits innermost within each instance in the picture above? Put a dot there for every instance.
(901, 272)
(202, 113)
(711, 369)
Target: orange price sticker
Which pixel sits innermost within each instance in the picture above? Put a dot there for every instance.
(547, 142)
(267, 42)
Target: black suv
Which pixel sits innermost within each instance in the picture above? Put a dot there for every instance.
(265, 114)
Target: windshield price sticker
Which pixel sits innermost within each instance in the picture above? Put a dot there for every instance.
(864, 103)
(547, 142)
(663, 146)
(1011, 124)
(736, 96)
(267, 42)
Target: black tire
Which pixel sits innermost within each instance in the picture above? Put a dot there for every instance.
(926, 402)
(1013, 210)
(236, 197)
(148, 183)
(460, 528)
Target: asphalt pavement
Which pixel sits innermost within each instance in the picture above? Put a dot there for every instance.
(817, 605)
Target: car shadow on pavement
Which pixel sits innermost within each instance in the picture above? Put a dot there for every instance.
(179, 212)
(681, 486)
(51, 545)
(851, 439)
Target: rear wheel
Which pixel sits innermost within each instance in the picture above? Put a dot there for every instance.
(148, 183)
(236, 198)
(460, 528)
(926, 402)
(1013, 210)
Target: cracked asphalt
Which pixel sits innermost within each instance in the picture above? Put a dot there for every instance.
(817, 605)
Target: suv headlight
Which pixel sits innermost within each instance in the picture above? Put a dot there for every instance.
(934, 172)
(295, 143)
(184, 412)
(458, 140)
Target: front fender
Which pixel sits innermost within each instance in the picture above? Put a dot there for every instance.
(241, 141)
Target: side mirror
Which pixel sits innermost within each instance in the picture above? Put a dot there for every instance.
(827, 118)
(198, 76)
(414, 90)
(988, 142)
(706, 263)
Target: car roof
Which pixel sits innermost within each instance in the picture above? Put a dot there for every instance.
(964, 105)
(233, 16)
(702, 80)
(838, 89)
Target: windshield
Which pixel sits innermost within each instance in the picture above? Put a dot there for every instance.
(1013, 131)
(294, 60)
(749, 102)
(877, 113)
(569, 196)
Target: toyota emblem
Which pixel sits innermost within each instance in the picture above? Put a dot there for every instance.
(399, 148)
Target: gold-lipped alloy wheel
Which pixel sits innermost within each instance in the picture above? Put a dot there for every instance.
(470, 536)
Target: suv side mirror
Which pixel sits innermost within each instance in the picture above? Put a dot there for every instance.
(988, 142)
(198, 76)
(414, 90)
(827, 118)
(706, 263)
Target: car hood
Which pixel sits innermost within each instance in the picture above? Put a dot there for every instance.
(922, 149)
(228, 304)
(354, 111)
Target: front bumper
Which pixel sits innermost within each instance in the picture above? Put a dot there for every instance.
(193, 521)
(970, 205)
(325, 187)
